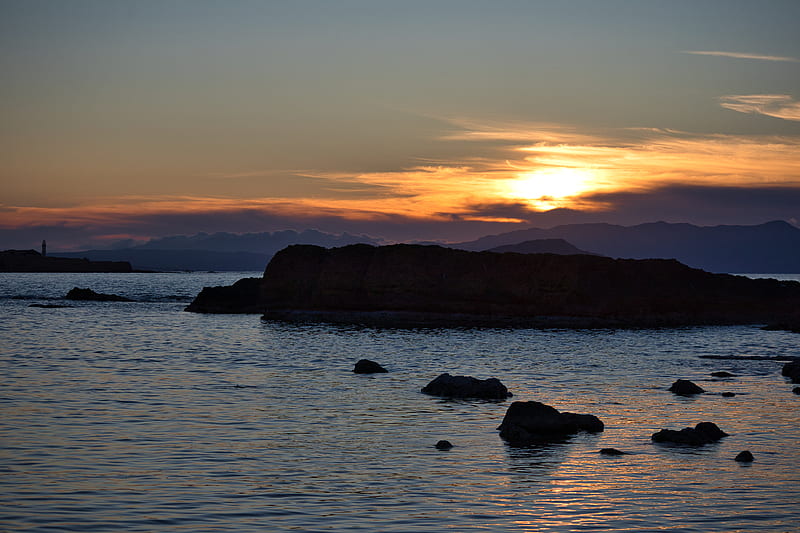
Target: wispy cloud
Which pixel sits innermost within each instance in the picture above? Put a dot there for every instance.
(772, 105)
(740, 55)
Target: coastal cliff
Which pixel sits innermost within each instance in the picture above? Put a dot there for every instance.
(33, 261)
(435, 285)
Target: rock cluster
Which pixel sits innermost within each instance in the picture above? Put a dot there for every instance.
(530, 422)
(702, 433)
(466, 387)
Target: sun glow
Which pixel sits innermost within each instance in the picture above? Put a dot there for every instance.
(551, 187)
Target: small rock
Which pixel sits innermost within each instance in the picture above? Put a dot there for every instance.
(723, 374)
(728, 394)
(365, 366)
(702, 433)
(89, 295)
(589, 423)
(796, 390)
(443, 445)
(612, 451)
(792, 371)
(744, 457)
(684, 387)
(466, 387)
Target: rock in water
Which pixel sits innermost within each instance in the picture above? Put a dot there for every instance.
(612, 451)
(702, 433)
(728, 394)
(792, 371)
(466, 387)
(723, 374)
(744, 457)
(365, 366)
(684, 387)
(527, 422)
(89, 295)
(443, 445)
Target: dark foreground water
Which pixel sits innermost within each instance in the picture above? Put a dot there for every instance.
(140, 417)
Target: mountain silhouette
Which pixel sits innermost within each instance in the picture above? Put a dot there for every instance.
(773, 247)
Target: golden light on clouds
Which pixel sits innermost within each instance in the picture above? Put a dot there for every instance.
(537, 166)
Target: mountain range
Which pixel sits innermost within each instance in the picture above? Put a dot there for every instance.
(773, 247)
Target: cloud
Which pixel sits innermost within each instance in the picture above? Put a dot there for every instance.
(738, 55)
(772, 105)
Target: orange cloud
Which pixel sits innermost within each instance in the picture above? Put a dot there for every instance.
(772, 105)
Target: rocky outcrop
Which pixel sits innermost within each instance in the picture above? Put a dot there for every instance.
(444, 445)
(33, 261)
(90, 295)
(244, 296)
(702, 433)
(365, 366)
(431, 285)
(530, 422)
(723, 374)
(466, 387)
(792, 371)
(684, 387)
(612, 451)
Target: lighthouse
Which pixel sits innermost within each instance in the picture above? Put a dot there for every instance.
(44, 247)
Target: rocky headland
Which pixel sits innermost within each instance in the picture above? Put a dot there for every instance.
(432, 285)
(33, 261)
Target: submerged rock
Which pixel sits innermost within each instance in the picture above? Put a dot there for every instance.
(443, 445)
(89, 295)
(684, 387)
(745, 457)
(466, 387)
(528, 422)
(723, 374)
(796, 390)
(728, 394)
(612, 451)
(365, 366)
(702, 433)
(49, 306)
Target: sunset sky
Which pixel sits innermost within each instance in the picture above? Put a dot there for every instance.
(398, 119)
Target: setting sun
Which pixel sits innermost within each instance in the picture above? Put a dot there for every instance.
(551, 188)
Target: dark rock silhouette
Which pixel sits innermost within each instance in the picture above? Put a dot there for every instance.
(430, 285)
(244, 296)
(612, 451)
(702, 433)
(796, 390)
(49, 306)
(365, 366)
(793, 325)
(89, 295)
(466, 387)
(33, 261)
(792, 371)
(723, 374)
(530, 422)
(541, 246)
(744, 457)
(728, 394)
(443, 445)
(684, 387)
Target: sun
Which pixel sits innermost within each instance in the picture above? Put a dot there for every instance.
(551, 187)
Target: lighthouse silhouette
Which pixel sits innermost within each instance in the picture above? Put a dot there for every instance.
(44, 247)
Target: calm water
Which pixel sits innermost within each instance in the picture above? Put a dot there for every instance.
(141, 417)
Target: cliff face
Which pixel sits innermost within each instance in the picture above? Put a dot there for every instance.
(33, 261)
(429, 281)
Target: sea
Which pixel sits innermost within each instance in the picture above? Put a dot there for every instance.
(138, 416)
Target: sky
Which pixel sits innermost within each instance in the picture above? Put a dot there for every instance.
(403, 120)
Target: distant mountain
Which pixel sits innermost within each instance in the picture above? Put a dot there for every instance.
(217, 251)
(541, 246)
(773, 247)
